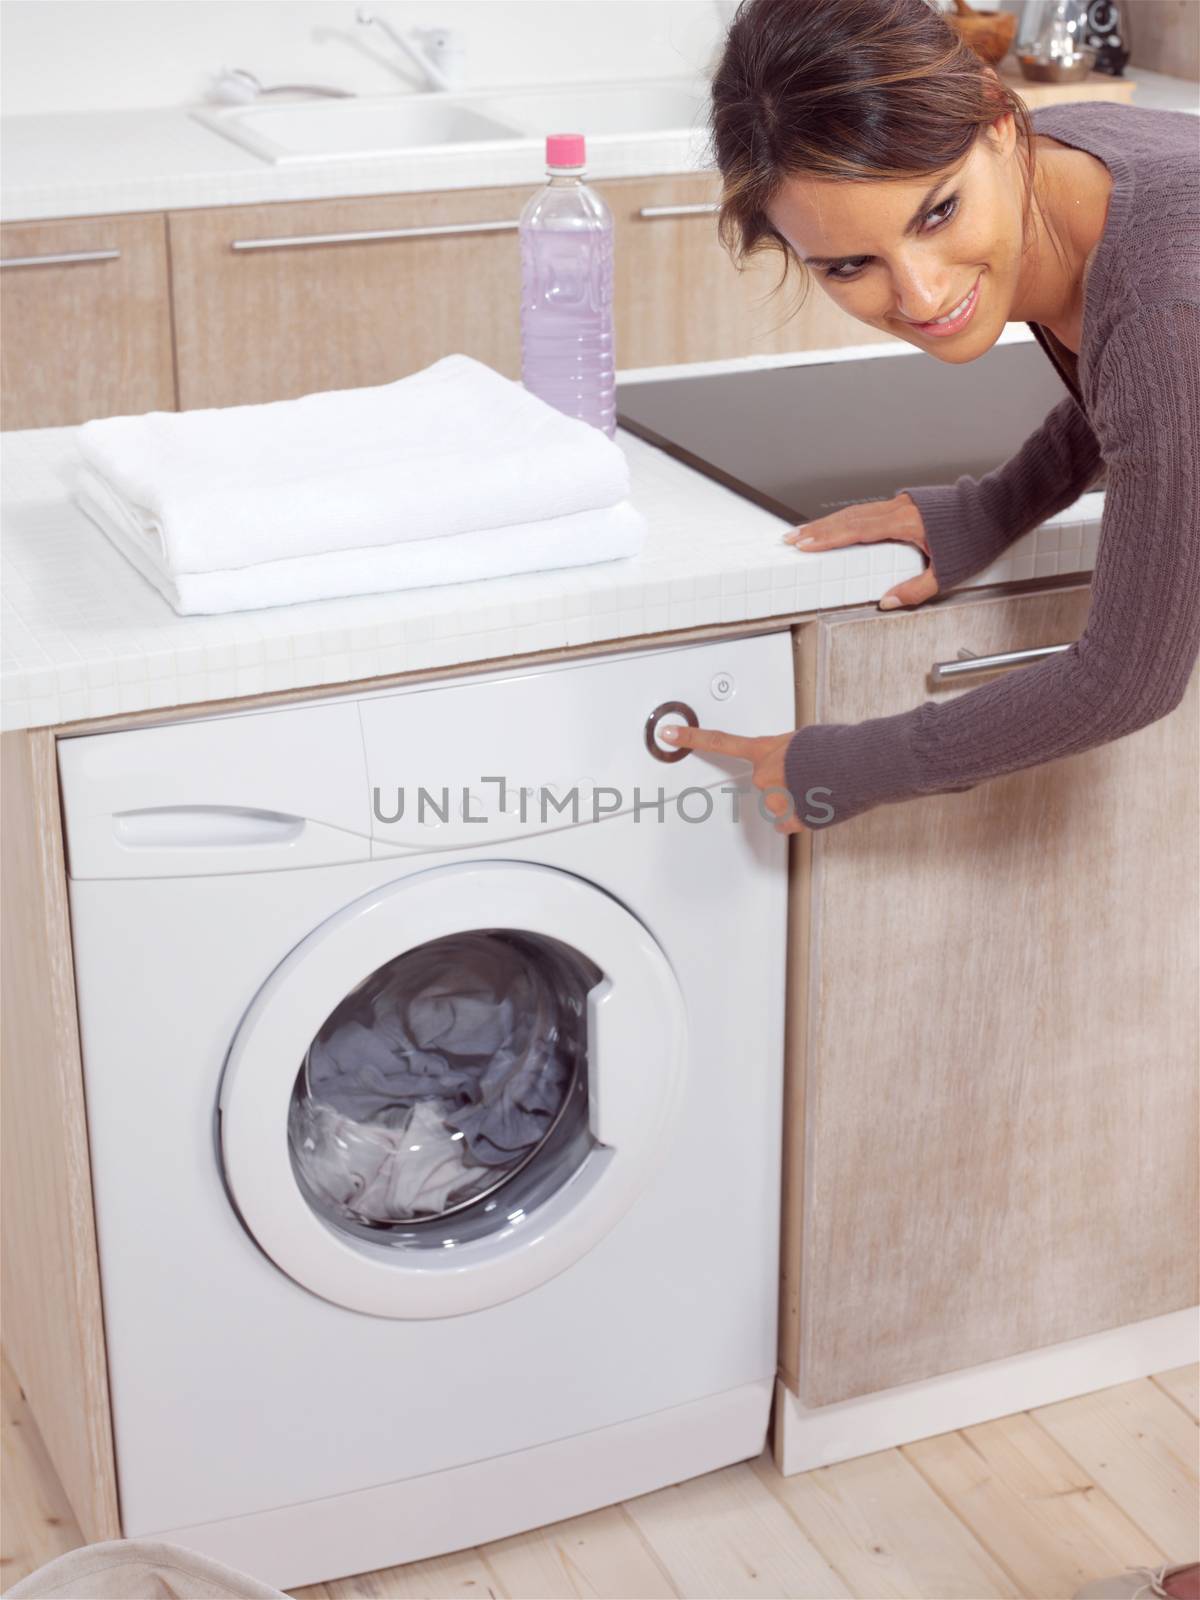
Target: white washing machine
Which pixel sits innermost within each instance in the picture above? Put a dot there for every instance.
(435, 1137)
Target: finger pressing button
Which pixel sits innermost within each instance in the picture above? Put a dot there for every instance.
(672, 713)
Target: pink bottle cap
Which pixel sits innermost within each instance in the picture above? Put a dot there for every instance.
(565, 150)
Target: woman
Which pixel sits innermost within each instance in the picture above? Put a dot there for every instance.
(863, 140)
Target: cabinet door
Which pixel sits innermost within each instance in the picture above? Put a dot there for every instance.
(993, 1032)
(275, 301)
(87, 320)
(678, 296)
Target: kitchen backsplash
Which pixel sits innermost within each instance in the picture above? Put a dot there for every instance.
(126, 54)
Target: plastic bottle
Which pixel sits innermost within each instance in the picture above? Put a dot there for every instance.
(566, 238)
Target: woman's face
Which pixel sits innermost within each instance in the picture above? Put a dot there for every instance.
(898, 254)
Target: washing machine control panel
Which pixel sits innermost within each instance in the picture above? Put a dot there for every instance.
(531, 749)
(416, 767)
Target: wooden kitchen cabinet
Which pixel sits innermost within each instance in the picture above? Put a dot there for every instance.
(53, 1329)
(87, 320)
(258, 318)
(993, 1031)
(275, 301)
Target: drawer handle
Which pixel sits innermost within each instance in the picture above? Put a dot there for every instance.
(968, 661)
(301, 240)
(204, 827)
(67, 260)
(648, 213)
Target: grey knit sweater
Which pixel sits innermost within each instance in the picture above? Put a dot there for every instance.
(1135, 417)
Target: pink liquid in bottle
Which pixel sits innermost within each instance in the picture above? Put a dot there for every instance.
(566, 239)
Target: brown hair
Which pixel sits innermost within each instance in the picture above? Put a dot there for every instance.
(861, 90)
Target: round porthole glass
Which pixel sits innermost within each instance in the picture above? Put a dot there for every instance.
(447, 1094)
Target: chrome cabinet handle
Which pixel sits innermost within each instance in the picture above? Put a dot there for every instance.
(379, 233)
(698, 210)
(60, 260)
(968, 661)
(443, 229)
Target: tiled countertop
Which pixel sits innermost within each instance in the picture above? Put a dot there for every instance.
(92, 163)
(84, 635)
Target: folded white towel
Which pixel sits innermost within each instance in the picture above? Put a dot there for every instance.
(579, 539)
(455, 448)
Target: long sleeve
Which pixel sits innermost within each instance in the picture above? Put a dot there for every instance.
(970, 522)
(1134, 660)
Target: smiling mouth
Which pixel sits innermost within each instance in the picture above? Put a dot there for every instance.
(954, 319)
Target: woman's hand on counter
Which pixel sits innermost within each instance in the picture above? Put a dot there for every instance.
(869, 523)
(764, 754)
(872, 522)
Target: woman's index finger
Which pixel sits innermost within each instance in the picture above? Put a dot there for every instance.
(713, 740)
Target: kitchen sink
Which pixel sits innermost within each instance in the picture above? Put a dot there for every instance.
(389, 125)
(346, 130)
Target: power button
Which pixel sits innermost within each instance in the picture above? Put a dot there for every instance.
(722, 686)
(670, 713)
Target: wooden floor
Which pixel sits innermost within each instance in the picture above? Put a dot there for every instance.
(1032, 1505)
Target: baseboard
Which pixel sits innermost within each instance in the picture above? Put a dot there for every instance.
(806, 1437)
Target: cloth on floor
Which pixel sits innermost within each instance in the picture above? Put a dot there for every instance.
(579, 539)
(455, 448)
(469, 1020)
(139, 1569)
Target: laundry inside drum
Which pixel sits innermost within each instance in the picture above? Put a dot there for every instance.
(447, 1095)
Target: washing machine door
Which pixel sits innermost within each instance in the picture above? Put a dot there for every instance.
(453, 1089)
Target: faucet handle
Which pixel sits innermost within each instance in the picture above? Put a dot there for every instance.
(437, 53)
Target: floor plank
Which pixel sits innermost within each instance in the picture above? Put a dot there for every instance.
(1141, 1448)
(601, 1554)
(726, 1534)
(1026, 1500)
(880, 1525)
(1183, 1385)
(36, 1521)
(461, 1576)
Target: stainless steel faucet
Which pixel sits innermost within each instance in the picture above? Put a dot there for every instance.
(436, 54)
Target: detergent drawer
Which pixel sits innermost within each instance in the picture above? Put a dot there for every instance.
(254, 791)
